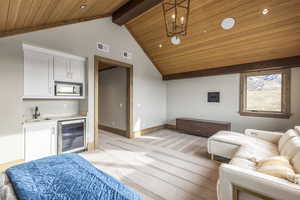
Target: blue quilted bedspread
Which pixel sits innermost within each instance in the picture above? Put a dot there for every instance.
(66, 177)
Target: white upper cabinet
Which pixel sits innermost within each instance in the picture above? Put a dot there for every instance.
(43, 67)
(77, 70)
(38, 74)
(62, 69)
(68, 70)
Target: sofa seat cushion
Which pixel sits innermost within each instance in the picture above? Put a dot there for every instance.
(229, 137)
(286, 137)
(291, 148)
(256, 153)
(243, 163)
(239, 139)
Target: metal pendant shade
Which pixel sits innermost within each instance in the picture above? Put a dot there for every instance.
(176, 15)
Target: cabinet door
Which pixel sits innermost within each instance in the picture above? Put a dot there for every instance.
(62, 70)
(38, 74)
(77, 70)
(39, 142)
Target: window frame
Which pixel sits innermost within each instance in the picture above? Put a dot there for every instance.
(285, 95)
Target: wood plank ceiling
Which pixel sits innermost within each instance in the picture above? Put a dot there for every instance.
(19, 16)
(255, 37)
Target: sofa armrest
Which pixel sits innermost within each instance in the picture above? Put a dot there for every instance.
(262, 184)
(269, 136)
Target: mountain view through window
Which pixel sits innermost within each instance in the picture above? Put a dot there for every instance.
(264, 93)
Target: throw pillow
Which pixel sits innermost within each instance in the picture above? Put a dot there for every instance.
(278, 166)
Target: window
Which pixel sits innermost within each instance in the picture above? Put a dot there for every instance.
(265, 94)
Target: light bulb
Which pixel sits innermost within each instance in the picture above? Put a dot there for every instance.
(265, 11)
(182, 20)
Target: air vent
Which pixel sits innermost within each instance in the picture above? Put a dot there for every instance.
(103, 47)
(127, 55)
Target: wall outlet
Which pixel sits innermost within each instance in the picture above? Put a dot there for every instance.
(113, 124)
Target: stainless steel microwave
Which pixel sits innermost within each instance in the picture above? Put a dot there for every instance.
(68, 89)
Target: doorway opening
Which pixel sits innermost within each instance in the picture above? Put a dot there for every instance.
(113, 97)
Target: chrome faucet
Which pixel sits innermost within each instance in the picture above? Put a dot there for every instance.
(36, 113)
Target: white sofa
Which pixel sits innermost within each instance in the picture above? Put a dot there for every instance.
(240, 175)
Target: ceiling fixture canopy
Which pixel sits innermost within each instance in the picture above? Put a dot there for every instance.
(175, 40)
(176, 15)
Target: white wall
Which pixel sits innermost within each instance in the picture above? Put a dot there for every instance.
(149, 91)
(188, 98)
(49, 108)
(113, 98)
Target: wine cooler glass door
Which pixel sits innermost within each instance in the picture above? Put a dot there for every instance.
(72, 136)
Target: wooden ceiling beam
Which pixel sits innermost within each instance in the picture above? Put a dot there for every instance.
(132, 9)
(282, 63)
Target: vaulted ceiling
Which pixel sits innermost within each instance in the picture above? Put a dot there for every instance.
(255, 37)
(18, 16)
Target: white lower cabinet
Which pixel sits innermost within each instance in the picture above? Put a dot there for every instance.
(40, 140)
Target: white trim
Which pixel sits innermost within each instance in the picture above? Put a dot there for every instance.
(52, 52)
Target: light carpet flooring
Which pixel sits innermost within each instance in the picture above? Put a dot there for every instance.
(164, 165)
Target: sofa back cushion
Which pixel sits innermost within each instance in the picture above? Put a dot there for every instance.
(291, 148)
(287, 136)
(296, 163)
(297, 128)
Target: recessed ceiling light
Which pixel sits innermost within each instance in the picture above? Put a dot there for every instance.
(160, 45)
(204, 31)
(83, 6)
(265, 11)
(228, 23)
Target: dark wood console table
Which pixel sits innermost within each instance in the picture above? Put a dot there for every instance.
(199, 127)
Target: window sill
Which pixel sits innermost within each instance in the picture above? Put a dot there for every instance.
(266, 114)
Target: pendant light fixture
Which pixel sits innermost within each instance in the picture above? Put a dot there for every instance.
(176, 15)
